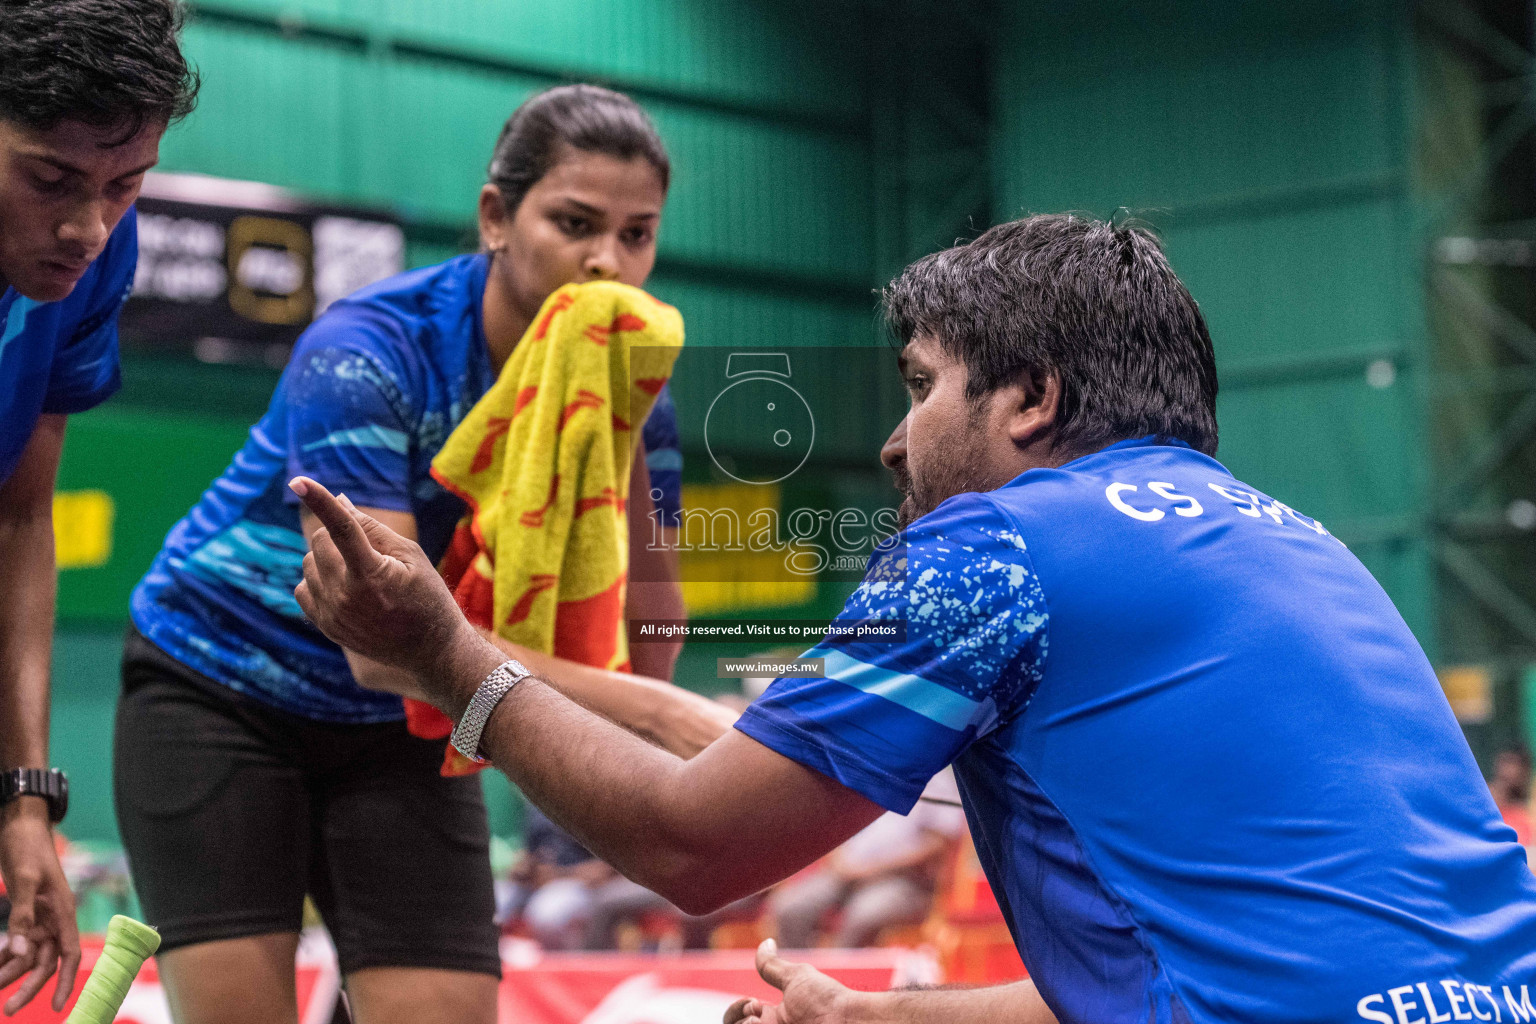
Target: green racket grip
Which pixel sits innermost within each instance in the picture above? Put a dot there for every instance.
(129, 944)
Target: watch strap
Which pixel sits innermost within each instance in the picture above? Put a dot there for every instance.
(49, 783)
(466, 735)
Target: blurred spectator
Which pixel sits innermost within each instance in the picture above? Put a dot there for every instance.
(566, 899)
(552, 884)
(1511, 788)
(620, 901)
(882, 877)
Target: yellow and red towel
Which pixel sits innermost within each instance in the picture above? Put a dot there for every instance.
(543, 461)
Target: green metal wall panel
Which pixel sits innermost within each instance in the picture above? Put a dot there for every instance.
(85, 687)
(1104, 104)
(1329, 447)
(768, 196)
(724, 315)
(432, 141)
(154, 466)
(729, 50)
(273, 110)
(416, 135)
(1299, 282)
(734, 49)
(1269, 145)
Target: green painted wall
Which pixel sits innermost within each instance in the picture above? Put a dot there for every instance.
(1270, 145)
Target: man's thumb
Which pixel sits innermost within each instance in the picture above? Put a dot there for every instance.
(773, 968)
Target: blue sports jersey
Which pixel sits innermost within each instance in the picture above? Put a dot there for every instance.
(1209, 771)
(61, 357)
(372, 390)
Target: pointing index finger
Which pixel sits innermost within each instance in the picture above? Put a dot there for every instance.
(345, 532)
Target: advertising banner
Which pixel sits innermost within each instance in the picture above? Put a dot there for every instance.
(233, 271)
(555, 988)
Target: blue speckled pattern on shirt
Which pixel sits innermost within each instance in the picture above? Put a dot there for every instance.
(976, 638)
(371, 392)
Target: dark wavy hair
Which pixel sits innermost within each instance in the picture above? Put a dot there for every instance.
(585, 117)
(108, 63)
(1092, 301)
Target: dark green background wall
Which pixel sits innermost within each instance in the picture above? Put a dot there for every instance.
(817, 148)
(1270, 144)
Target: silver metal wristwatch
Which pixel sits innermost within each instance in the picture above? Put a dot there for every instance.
(466, 735)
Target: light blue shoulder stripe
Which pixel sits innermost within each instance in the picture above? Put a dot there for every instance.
(371, 436)
(663, 459)
(16, 321)
(934, 702)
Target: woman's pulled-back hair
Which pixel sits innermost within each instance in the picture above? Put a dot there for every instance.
(585, 117)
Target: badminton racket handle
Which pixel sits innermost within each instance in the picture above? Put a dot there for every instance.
(128, 945)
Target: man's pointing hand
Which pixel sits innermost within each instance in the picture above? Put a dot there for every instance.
(377, 594)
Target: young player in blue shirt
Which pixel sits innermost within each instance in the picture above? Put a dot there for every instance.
(1208, 770)
(87, 88)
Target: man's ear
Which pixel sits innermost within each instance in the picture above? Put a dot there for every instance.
(1034, 402)
(493, 218)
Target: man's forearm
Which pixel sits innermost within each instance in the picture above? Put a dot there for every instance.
(622, 798)
(689, 830)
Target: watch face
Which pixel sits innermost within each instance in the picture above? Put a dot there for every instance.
(759, 430)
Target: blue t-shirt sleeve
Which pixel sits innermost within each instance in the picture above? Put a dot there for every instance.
(664, 459)
(888, 716)
(350, 412)
(85, 370)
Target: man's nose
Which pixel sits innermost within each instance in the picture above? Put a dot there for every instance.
(894, 452)
(87, 227)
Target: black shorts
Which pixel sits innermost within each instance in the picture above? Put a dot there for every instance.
(232, 810)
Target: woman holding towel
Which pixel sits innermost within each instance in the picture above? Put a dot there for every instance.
(251, 768)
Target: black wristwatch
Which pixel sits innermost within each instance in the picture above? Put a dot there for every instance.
(48, 783)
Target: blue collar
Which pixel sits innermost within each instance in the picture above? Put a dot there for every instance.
(1149, 441)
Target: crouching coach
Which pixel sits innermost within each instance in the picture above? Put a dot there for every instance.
(1209, 771)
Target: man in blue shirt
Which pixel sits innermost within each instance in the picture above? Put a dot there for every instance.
(87, 88)
(1208, 770)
